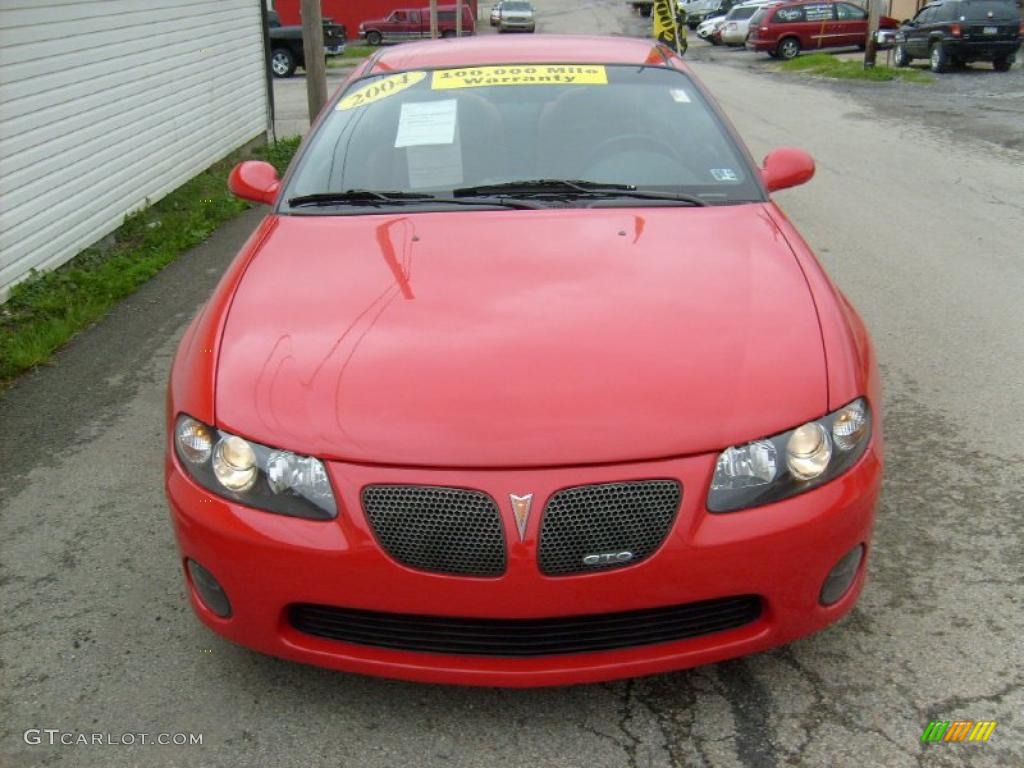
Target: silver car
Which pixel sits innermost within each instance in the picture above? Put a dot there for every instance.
(516, 16)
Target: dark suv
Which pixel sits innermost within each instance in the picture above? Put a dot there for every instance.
(286, 51)
(951, 33)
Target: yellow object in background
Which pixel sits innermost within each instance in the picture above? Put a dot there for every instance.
(666, 27)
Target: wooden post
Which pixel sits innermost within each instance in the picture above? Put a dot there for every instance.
(269, 80)
(433, 19)
(313, 54)
(870, 45)
(458, 18)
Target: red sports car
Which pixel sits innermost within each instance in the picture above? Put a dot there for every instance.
(524, 380)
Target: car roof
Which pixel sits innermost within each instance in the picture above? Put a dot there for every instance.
(531, 49)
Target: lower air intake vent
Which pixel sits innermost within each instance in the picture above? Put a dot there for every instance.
(525, 637)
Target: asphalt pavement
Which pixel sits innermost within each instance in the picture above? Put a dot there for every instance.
(920, 227)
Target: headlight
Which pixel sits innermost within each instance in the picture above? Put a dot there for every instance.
(789, 463)
(254, 474)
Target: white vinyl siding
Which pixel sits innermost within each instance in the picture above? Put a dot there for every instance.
(108, 104)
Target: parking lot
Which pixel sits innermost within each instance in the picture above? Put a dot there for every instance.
(916, 210)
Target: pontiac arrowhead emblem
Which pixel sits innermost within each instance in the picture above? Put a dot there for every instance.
(521, 510)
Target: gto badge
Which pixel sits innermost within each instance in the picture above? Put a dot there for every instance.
(608, 558)
(521, 511)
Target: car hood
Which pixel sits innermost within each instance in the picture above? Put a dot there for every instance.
(520, 338)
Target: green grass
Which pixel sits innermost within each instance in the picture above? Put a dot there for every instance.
(49, 308)
(829, 66)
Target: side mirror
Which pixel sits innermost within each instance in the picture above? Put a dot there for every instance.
(254, 180)
(786, 167)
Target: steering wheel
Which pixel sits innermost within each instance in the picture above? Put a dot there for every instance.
(631, 141)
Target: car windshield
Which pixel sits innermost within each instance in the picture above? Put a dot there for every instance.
(981, 10)
(742, 12)
(433, 132)
(515, 6)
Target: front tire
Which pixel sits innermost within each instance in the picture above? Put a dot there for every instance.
(282, 62)
(939, 58)
(788, 48)
(901, 57)
(448, 33)
(1002, 64)
(373, 37)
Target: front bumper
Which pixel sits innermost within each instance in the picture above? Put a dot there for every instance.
(517, 25)
(781, 552)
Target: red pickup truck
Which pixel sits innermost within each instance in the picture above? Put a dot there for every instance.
(414, 24)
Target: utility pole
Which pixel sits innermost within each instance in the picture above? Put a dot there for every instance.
(313, 53)
(870, 50)
(433, 19)
(458, 18)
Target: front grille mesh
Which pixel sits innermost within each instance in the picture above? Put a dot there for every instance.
(586, 520)
(525, 637)
(439, 529)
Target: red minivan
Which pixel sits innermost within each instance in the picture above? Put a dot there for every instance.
(785, 29)
(414, 24)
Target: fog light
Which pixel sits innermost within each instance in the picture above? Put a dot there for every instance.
(841, 576)
(210, 591)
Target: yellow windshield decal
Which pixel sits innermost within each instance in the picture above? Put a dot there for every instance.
(524, 74)
(380, 89)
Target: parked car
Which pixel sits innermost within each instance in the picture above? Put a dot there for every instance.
(885, 38)
(516, 16)
(454, 415)
(414, 24)
(786, 29)
(705, 9)
(953, 33)
(707, 28)
(286, 52)
(736, 23)
(495, 14)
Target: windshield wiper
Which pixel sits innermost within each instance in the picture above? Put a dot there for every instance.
(356, 196)
(573, 188)
(375, 197)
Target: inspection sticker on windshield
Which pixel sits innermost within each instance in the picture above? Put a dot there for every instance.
(724, 174)
(380, 89)
(680, 96)
(526, 74)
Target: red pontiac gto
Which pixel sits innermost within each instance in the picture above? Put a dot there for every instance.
(524, 380)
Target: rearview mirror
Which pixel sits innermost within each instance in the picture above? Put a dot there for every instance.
(254, 180)
(787, 167)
